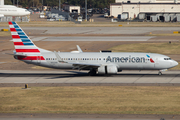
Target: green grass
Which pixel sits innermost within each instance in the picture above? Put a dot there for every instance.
(91, 100)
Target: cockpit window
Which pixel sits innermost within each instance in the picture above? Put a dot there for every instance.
(167, 58)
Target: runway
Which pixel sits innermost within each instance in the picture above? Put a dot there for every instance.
(75, 77)
(99, 30)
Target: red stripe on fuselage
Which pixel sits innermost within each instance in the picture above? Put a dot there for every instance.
(18, 43)
(27, 50)
(30, 58)
(15, 37)
(13, 29)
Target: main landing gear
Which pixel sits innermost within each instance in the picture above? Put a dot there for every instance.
(92, 72)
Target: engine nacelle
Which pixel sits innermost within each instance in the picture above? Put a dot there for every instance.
(109, 69)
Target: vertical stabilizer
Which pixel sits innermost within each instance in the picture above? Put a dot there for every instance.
(23, 44)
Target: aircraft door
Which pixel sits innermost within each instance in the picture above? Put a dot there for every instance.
(156, 63)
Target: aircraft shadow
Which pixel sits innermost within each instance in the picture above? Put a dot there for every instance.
(82, 74)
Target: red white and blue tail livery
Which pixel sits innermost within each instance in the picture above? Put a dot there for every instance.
(25, 49)
(103, 62)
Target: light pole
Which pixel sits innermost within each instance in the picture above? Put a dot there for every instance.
(42, 6)
(59, 5)
(86, 8)
(17, 3)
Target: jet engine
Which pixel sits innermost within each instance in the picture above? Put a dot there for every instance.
(109, 69)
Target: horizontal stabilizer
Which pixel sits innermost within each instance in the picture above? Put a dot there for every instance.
(17, 54)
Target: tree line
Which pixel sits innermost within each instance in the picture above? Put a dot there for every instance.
(52, 3)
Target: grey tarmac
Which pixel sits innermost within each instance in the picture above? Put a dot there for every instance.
(76, 77)
(93, 38)
(11, 116)
(100, 30)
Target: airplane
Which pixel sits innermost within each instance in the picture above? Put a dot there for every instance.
(10, 10)
(95, 62)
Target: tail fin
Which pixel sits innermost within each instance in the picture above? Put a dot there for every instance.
(23, 44)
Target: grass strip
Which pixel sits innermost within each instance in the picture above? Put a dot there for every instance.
(91, 100)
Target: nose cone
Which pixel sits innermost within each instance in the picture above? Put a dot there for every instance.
(174, 63)
(28, 13)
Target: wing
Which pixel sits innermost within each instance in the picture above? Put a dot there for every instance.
(81, 66)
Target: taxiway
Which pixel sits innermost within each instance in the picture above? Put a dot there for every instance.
(75, 77)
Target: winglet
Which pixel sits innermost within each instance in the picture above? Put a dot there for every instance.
(79, 49)
(58, 57)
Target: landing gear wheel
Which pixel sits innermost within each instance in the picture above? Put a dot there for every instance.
(92, 72)
(159, 73)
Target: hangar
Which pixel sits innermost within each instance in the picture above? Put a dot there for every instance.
(152, 10)
(72, 9)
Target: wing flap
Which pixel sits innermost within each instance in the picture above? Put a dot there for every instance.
(81, 66)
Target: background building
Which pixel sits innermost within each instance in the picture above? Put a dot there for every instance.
(153, 10)
(145, 1)
(72, 9)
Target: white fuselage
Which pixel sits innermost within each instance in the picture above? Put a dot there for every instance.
(123, 61)
(9, 10)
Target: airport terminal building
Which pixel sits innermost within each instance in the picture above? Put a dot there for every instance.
(152, 10)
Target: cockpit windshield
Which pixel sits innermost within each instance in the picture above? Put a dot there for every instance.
(167, 58)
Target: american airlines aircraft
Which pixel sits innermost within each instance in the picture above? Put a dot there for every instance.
(95, 62)
(10, 10)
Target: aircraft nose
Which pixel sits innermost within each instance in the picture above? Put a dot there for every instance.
(29, 13)
(174, 63)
